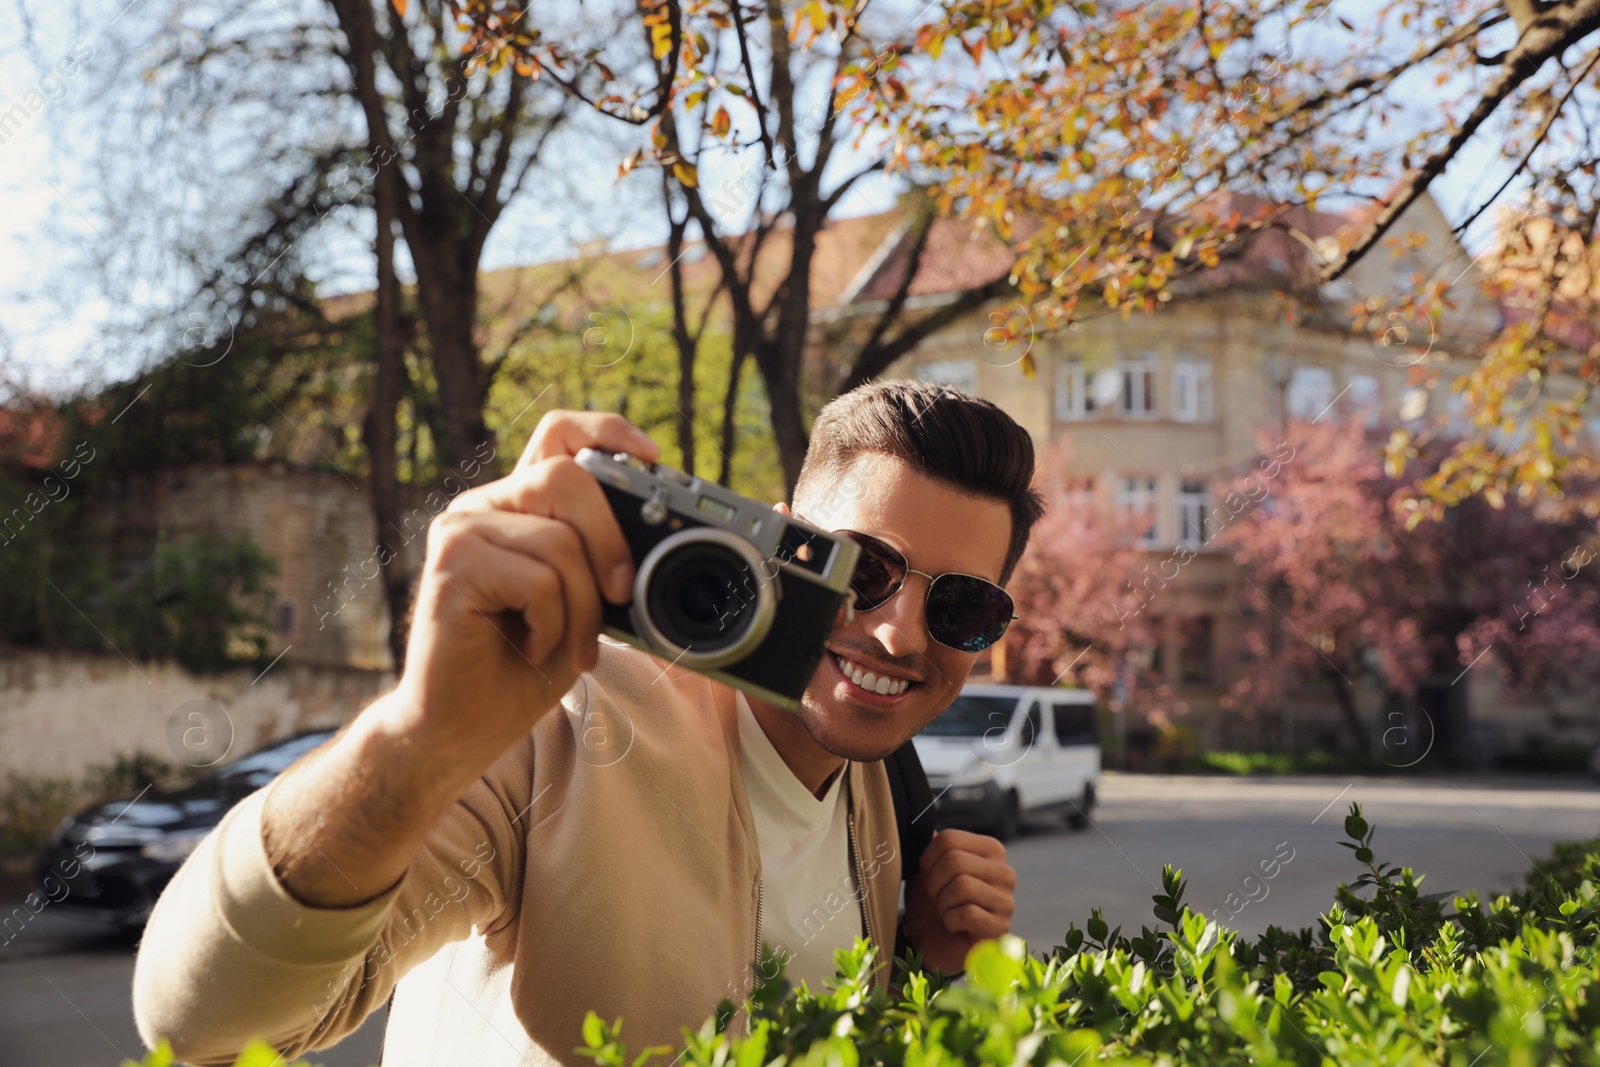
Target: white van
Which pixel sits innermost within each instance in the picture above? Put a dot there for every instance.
(1004, 753)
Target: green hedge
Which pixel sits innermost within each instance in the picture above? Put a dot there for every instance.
(1389, 976)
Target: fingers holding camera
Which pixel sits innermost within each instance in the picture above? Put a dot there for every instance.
(557, 488)
(495, 564)
(550, 576)
(564, 433)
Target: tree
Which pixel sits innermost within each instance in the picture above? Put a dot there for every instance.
(452, 143)
(1329, 567)
(75, 572)
(593, 352)
(1071, 589)
(1132, 117)
(359, 126)
(768, 86)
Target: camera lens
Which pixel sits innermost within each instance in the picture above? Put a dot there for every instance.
(704, 597)
(701, 595)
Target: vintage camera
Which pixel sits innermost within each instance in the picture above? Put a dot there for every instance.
(724, 586)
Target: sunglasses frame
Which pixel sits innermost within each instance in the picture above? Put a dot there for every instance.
(932, 579)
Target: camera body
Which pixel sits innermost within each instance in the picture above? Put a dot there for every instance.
(723, 585)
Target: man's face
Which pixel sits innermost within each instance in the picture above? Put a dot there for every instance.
(937, 529)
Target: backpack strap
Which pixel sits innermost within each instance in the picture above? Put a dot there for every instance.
(913, 813)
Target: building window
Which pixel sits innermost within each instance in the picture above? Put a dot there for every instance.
(1310, 392)
(1136, 507)
(1192, 503)
(1138, 381)
(1195, 649)
(1142, 658)
(1074, 402)
(283, 618)
(1365, 398)
(960, 373)
(1191, 390)
(1080, 494)
(1128, 388)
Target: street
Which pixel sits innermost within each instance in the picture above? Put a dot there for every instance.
(64, 985)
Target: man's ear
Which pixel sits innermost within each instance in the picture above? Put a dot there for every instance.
(781, 508)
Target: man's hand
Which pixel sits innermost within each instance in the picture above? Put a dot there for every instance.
(509, 604)
(508, 612)
(964, 892)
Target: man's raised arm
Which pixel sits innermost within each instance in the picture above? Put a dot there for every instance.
(287, 902)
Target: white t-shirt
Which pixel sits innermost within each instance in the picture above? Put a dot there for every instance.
(810, 905)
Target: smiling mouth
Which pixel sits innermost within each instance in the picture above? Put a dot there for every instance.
(871, 681)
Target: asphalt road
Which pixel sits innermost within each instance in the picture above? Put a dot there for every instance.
(64, 986)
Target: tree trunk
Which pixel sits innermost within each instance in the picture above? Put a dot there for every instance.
(458, 370)
(687, 342)
(788, 425)
(1344, 694)
(781, 355)
(730, 412)
(686, 361)
(380, 429)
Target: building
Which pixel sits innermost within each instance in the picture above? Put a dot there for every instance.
(1156, 409)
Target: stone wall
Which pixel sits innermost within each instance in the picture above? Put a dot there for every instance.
(317, 526)
(62, 713)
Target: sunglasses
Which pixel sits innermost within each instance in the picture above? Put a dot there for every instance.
(963, 611)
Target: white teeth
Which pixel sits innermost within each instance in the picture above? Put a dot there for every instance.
(869, 681)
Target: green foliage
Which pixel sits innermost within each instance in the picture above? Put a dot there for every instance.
(603, 356)
(1315, 761)
(1568, 759)
(1390, 976)
(204, 603)
(31, 806)
(255, 1054)
(82, 565)
(278, 384)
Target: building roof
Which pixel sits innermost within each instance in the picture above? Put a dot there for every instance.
(863, 259)
(959, 256)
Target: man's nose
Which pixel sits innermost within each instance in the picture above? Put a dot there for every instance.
(899, 625)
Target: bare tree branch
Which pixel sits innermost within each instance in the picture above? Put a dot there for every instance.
(1538, 139)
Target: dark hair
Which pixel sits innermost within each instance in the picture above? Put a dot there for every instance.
(945, 433)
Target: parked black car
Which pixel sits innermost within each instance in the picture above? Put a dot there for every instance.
(111, 861)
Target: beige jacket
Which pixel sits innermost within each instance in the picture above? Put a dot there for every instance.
(608, 862)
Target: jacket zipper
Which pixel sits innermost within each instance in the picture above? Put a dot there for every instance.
(861, 883)
(759, 883)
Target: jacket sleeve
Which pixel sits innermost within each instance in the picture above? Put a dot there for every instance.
(229, 955)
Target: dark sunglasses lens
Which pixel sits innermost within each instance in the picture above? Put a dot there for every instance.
(967, 613)
(879, 572)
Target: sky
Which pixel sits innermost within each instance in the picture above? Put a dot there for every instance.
(27, 198)
(50, 210)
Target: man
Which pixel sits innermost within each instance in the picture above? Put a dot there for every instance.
(536, 822)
